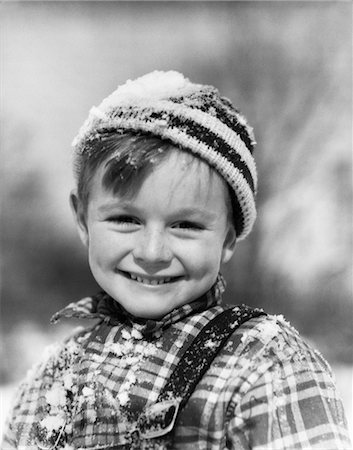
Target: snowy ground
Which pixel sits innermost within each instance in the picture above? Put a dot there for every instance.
(344, 376)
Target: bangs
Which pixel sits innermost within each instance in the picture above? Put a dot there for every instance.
(127, 158)
(131, 161)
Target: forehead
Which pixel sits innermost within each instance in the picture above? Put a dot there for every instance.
(179, 179)
(188, 176)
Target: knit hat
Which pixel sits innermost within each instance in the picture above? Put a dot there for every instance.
(191, 116)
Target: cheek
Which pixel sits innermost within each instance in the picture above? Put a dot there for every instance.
(203, 257)
(101, 246)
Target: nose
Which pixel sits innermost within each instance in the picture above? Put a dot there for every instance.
(152, 249)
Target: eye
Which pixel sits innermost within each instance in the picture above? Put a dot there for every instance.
(187, 225)
(124, 220)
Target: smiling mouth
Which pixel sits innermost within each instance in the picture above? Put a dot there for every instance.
(151, 281)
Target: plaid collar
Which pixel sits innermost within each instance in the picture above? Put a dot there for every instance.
(102, 306)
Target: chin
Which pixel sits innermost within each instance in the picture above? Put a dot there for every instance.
(153, 312)
(147, 303)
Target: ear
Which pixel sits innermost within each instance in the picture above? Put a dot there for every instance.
(229, 244)
(79, 216)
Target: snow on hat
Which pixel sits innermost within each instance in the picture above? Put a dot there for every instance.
(192, 116)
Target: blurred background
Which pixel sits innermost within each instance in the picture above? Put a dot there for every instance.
(286, 65)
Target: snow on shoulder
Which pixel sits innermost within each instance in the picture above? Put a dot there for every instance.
(268, 329)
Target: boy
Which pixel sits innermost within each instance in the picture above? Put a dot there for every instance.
(166, 184)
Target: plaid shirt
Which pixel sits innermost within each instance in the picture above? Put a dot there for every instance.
(271, 391)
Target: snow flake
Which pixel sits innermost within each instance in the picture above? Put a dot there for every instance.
(123, 397)
(56, 396)
(242, 120)
(50, 351)
(72, 348)
(125, 334)
(53, 423)
(109, 397)
(68, 380)
(136, 334)
(91, 415)
(150, 350)
(131, 160)
(179, 343)
(94, 111)
(115, 348)
(229, 346)
(91, 376)
(298, 356)
(244, 338)
(131, 378)
(128, 347)
(68, 428)
(87, 392)
(139, 348)
(157, 334)
(125, 386)
(268, 330)
(280, 319)
(212, 111)
(210, 344)
(129, 361)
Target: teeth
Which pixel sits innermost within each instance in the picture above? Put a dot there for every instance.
(150, 282)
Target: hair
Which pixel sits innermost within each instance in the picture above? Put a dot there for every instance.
(128, 158)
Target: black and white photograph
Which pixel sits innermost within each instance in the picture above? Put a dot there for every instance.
(176, 225)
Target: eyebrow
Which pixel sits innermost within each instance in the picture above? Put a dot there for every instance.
(186, 211)
(107, 207)
(192, 211)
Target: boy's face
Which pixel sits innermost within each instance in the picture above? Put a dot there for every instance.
(163, 247)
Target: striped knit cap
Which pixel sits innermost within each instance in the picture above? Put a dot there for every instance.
(191, 116)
